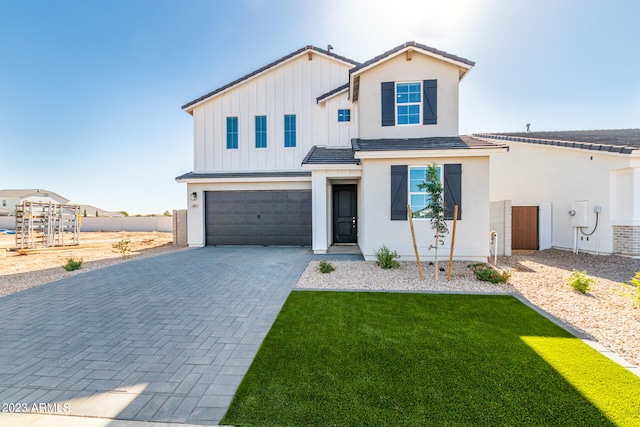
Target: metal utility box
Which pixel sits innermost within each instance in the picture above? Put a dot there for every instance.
(581, 216)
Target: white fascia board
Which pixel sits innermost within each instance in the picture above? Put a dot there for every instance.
(408, 154)
(190, 108)
(245, 179)
(322, 167)
(467, 67)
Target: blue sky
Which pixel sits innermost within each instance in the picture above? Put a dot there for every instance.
(90, 91)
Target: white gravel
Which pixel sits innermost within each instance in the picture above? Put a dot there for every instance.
(605, 313)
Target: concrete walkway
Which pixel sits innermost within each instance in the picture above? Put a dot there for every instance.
(164, 339)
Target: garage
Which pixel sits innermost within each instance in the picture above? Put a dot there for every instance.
(258, 217)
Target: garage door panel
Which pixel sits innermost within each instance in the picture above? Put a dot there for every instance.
(258, 217)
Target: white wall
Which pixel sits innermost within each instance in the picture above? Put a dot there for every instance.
(397, 69)
(376, 227)
(289, 88)
(196, 208)
(531, 174)
(8, 222)
(159, 223)
(339, 133)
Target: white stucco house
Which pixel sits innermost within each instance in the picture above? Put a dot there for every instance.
(316, 149)
(582, 188)
(9, 199)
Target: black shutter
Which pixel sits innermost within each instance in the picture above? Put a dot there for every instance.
(388, 104)
(452, 190)
(399, 193)
(430, 103)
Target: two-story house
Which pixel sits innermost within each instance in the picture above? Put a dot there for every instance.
(317, 149)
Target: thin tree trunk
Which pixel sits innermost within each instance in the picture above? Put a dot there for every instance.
(436, 263)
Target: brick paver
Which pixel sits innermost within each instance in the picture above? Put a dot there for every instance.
(164, 339)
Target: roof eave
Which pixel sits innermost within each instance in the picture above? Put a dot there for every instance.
(190, 106)
(452, 152)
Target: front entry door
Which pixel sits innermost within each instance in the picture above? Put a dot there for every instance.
(345, 206)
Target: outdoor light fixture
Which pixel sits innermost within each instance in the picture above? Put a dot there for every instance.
(194, 196)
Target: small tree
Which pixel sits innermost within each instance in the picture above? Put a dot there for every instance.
(124, 213)
(435, 207)
(85, 213)
(166, 213)
(97, 213)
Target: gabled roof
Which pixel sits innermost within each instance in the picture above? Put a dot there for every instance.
(462, 62)
(433, 143)
(22, 193)
(265, 68)
(330, 156)
(623, 141)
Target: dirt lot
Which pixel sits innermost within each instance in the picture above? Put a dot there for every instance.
(21, 271)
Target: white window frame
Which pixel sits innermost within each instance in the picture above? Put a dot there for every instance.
(266, 135)
(408, 104)
(410, 193)
(344, 121)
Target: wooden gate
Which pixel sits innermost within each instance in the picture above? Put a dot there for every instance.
(524, 227)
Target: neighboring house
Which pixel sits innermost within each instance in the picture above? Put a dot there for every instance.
(546, 175)
(9, 199)
(317, 149)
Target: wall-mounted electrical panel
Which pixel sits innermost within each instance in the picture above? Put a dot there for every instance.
(580, 218)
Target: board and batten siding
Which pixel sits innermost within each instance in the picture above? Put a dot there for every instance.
(339, 134)
(289, 88)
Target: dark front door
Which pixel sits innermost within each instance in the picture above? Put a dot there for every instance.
(345, 207)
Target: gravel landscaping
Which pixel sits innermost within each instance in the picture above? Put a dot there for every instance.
(540, 276)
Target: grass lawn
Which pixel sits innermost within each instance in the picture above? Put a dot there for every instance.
(353, 358)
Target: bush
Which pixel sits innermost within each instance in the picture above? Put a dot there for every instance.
(487, 274)
(635, 296)
(72, 265)
(326, 267)
(580, 282)
(123, 248)
(387, 258)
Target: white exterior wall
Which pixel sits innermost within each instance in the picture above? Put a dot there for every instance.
(12, 202)
(289, 88)
(195, 208)
(398, 69)
(534, 175)
(339, 134)
(376, 227)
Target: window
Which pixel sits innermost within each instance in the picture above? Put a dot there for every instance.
(261, 131)
(418, 198)
(408, 103)
(232, 132)
(344, 115)
(289, 130)
(4, 203)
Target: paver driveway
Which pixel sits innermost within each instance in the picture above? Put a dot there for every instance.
(160, 339)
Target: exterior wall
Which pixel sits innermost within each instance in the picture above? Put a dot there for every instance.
(376, 227)
(501, 224)
(626, 240)
(195, 211)
(533, 174)
(180, 227)
(159, 223)
(398, 69)
(12, 202)
(289, 88)
(338, 134)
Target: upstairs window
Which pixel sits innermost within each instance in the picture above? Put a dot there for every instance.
(344, 115)
(408, 103)
(261, 131)
(4, 203)
(232, 132)
(290, 130)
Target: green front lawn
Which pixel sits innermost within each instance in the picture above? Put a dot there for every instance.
(352, 358)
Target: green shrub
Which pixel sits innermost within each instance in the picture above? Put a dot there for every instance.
(326, 267)
(580, 282)
(635, 296)
(123, 248)
(387, 258)
(487, 274)
(72, 265)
